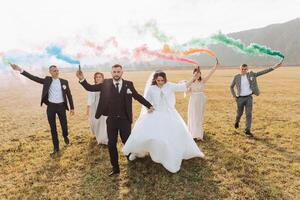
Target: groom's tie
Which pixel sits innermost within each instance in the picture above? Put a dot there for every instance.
(117, 87)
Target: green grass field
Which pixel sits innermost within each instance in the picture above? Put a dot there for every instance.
(235, 167)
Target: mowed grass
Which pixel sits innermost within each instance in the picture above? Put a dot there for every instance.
(235, 167)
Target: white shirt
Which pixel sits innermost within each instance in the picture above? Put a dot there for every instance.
(245, 86)
(120, 83)
(55, 92)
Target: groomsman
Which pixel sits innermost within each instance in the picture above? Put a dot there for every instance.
(246, 85)
(56, 94)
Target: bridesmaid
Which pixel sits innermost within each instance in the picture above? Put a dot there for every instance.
(197, 104)
(98, 126)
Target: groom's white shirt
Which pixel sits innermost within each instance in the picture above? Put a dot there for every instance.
(120, 83)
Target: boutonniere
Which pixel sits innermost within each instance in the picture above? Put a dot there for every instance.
(64, 87)
(251, 78)
(128, 91)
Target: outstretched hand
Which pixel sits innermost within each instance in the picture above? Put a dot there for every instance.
(16, 67)
(79, 75)
(151, 109)
(217, 63)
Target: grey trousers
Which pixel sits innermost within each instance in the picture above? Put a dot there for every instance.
(247, 103)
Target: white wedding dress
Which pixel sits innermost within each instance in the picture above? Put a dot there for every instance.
(162, 134)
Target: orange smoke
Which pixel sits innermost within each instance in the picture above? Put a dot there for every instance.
(167, 50)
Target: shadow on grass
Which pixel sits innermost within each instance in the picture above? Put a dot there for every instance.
(144, 179)
(197, 179)
(282, 151)
(36, 184)
(149, 180)
(95, 182)
(244, 169)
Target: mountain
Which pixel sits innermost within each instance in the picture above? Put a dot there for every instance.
(284, 37)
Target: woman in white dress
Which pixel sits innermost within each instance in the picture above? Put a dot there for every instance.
(162, 134)
(98, 126)
(197, 104)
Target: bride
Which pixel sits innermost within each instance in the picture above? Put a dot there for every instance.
(162, 134)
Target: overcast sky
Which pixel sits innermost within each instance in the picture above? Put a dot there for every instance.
(34, 22)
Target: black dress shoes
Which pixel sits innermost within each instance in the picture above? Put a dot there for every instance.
(114, 172)
(67, 141)
(54, 152)
(248, 133)
(236, 125)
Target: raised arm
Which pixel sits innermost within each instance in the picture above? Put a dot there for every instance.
(28, 75)
(184, 86)
(262, 72)
(86, 85)
(206, 78)
(89, 87)
(265, 71)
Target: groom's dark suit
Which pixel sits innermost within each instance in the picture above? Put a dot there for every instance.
(117, 105)
(54, 108)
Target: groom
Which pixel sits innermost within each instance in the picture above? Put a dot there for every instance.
(116, 103)
(56, 94)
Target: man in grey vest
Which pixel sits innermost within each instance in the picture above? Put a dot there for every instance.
(246, 85)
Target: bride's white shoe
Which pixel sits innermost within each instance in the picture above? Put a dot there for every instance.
(132, 157)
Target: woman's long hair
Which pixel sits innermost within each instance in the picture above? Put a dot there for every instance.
(197, 70)
(157, 74)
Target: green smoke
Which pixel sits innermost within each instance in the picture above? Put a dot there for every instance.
(5, 60)
(253, 48)
(266, 50)
(195, 42)
(151, 26)
(218, 38)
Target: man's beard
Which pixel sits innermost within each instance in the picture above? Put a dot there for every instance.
(117, 78)
(54, 76)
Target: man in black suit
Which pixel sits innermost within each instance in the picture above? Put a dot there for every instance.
(56, 94)
(116, 103)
